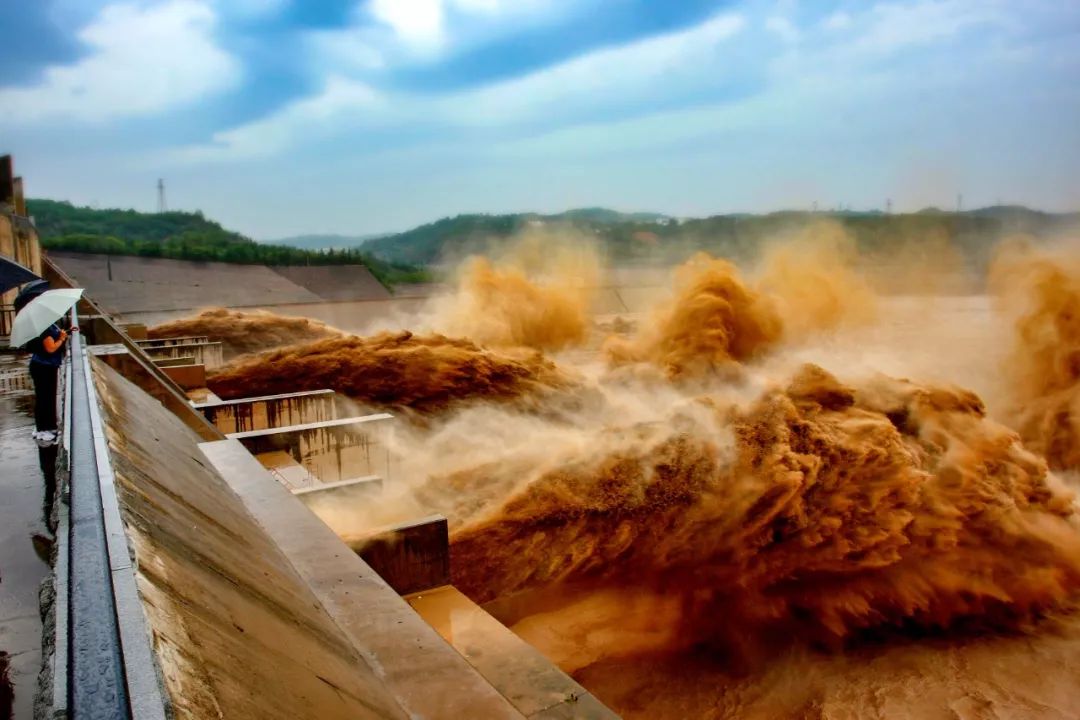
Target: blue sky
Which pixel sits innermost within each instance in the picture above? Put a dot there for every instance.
(280, 117)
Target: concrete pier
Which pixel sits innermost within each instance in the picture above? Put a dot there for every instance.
(332, 450)
(411, 556)
(537, 689)
(424, 674)
(209, 354)
(272, 411)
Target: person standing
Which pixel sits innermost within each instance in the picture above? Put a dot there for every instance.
(47, 353)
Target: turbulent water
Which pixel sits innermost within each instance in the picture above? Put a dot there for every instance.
(1039, 291)
(691, 518)
(395, 370)
(245, 332)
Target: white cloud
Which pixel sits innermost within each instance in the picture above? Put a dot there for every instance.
(141, 62)
(427, 29)
(418, 23)
(480, 5)
(624, 73)
(894, 26)
(421, 24)
(782, 27)
(352, 49)
(638, 79)
(838, 21)
(340, 102)
(636, 72)
(251, 8)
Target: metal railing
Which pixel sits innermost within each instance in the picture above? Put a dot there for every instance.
(109, 664)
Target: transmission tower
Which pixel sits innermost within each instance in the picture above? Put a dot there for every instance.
(161, 205)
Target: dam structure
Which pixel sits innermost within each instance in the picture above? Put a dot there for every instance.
(190, 578)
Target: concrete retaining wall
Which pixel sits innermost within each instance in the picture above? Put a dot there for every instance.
(165, 342)
(331, 451)
(236, 632)
(272, 411)
(209, 354)
(123, 284)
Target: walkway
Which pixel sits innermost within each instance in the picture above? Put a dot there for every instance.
(22, 567)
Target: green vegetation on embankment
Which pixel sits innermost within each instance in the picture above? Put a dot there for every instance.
(623, 237)
(644, 236)
(188, 236)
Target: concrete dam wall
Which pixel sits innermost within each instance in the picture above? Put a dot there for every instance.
(123, 285)
(227, 610)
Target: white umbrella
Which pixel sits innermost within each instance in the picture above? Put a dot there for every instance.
(40, 313)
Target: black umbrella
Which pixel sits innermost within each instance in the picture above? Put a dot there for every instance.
(29, 292)
(13, 274)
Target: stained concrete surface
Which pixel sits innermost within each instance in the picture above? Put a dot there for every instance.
(123, 284)
(424, 673)
(237, 633)
(272, 411)
(22, 516)
(331, 450)
(335, 282)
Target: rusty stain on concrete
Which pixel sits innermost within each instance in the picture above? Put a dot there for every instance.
(272, 411)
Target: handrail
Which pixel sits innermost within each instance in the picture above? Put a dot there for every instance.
(111, 667)
(171, 395)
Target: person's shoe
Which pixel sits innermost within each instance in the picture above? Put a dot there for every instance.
(45, 438)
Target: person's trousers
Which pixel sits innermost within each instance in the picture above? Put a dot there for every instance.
(44, 377)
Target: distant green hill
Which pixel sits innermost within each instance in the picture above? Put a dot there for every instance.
(58, 219)
(629, 237)
(186, 236)
(455, 237)
(324, 242)
(606, 216)
(624, 237)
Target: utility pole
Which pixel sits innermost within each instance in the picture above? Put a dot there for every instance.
(161, 206)
(888, 206)
(959, 202)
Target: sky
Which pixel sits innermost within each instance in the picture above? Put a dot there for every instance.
(283, 117)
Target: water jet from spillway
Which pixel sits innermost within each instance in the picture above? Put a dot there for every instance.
(427, 373)
(245, 332)
(1038, 291)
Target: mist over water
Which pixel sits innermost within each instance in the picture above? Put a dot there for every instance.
(772, 460)
(1038, 291)
(245, 332)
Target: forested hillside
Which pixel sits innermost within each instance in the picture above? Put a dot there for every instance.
(322, 241)
(626, 237)
(186, 236)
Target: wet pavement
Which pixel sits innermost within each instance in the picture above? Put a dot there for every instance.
(24, 545)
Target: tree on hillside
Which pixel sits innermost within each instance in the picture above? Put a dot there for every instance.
(186, 236)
